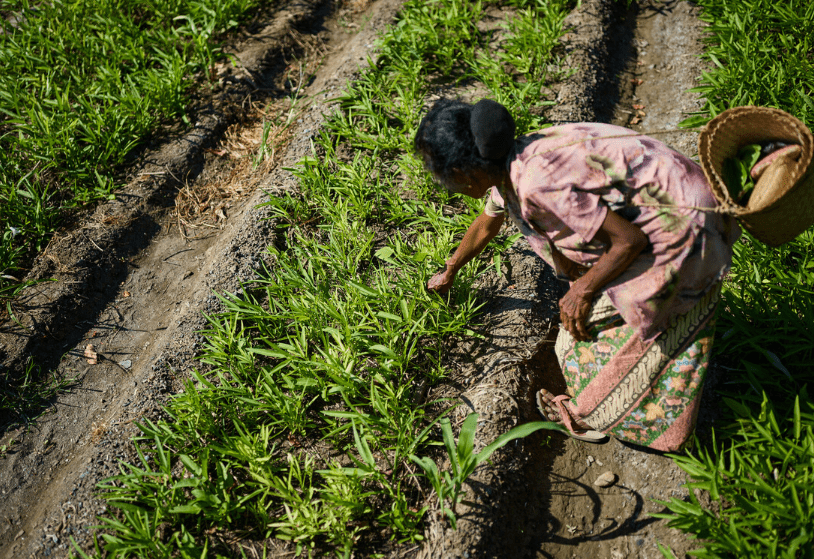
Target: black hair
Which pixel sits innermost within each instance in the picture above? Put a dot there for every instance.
(458, 135)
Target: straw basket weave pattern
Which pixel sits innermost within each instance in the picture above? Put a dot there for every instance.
(789, 208)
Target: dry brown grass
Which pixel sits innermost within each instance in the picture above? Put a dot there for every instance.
(97, 431)
(357, 6)
(251, 147)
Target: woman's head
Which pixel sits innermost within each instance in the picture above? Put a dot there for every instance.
(456, 138)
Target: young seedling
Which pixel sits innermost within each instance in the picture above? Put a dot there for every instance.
(463, 460)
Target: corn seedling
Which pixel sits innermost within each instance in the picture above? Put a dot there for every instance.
(463, 460)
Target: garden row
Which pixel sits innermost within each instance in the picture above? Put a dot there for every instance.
(307, 424)
(328, 343)
(84, 83)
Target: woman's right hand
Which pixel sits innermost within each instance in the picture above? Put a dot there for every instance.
(482, 230)
(442, 282)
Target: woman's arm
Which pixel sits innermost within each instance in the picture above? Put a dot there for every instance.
(625, 241)
(482, 230)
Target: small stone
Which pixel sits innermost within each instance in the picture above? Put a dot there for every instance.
(126, 364)
(590, 460)
(605, 480)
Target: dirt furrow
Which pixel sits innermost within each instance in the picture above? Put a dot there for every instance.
(632, 68)
(614, 522)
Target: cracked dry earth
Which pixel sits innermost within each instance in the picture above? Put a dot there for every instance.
(135, 277)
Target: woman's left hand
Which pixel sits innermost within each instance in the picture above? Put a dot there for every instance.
(575, 308)
(624, 241)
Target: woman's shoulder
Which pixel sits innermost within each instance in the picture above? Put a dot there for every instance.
(576, 143)
(573, 135)
(584, 130)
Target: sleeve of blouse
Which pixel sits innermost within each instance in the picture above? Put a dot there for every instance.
(494, 205)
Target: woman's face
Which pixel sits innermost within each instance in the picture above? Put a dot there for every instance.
(474, 183)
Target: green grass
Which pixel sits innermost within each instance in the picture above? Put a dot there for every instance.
(31, 394)
(83, 83)
(759, 471)
(761, 54)
(308, 424)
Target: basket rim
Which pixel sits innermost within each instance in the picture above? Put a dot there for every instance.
(715, 133)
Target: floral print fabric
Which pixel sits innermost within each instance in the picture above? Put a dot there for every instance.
(648, 393)
(566, 178)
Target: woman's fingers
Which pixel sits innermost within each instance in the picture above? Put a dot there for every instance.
(573, 313)
(580, 327)
(570, 324)
(576, 328)
(440, 283)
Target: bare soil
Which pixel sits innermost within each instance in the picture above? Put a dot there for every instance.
(135, 275)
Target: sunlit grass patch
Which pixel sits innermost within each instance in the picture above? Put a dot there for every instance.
(760, 481)
(761, 54)
(82, 84)
(312, 423)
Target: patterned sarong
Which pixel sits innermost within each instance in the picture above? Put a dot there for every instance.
(645, 393)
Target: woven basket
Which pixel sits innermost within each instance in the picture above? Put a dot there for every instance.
(788, 209)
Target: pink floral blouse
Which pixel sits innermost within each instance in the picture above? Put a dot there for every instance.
(566, 178)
